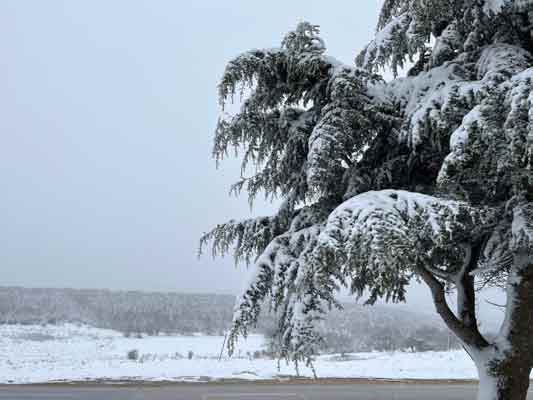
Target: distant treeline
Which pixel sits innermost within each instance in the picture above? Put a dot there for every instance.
(360, 328)
(356, 328)
(130, 312)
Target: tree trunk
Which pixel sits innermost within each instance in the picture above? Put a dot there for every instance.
(504, 372)
(505, 364)
(504, 380)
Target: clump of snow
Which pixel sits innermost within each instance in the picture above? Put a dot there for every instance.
(502, 58)
(494, 6)
(361, 214)
(383, 39)
(522, 227)
(523, 4)
(425, 94)
(458, 142)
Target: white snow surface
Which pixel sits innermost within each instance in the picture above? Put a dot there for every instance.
(33, 354)
(493, 5)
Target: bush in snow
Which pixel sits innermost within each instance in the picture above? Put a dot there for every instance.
(133, 355)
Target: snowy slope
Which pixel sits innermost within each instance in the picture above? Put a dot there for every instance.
(30, 354)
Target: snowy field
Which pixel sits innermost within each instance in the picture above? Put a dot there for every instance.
(31, 354)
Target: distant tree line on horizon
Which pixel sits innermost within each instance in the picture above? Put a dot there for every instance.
(358, 328)
(130, 312)
(136, 313)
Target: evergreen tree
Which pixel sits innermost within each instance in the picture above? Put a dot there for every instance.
(424, 177)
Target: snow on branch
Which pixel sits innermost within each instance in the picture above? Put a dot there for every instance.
(499, 124)
(347, 125)
(298, 290)
(522, 228)
(246, 239)
(388, 46)
(373, 242)
(378, 237)
(305, 119)
(435, 102)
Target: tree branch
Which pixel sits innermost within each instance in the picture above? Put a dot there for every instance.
(466, 334)
(466, 294)
(495, 304)
(447, 276)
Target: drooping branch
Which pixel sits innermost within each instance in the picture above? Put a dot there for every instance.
(376, 235)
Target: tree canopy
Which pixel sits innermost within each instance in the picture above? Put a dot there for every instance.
(426, 176)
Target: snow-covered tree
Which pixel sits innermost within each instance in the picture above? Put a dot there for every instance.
(427, 176)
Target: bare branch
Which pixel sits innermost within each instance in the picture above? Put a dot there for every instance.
(495, 304)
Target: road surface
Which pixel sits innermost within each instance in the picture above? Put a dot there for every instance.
(244, 391)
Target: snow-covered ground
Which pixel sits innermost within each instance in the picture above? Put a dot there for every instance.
(30, 354)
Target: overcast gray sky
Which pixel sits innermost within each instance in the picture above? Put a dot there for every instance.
(107, 117)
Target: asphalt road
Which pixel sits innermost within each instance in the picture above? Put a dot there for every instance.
(244, 391)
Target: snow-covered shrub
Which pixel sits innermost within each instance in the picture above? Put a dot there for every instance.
(133, 355)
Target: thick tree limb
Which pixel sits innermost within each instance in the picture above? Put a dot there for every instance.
(466, 334)
(466, 294)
